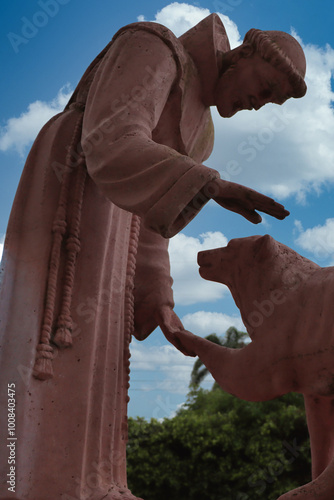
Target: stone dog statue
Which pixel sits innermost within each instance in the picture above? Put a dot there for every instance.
(286, 303)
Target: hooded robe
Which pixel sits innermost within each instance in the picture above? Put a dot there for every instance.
(145, 131)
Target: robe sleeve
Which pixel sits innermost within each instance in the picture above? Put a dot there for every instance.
(153, 283)
(125, 102)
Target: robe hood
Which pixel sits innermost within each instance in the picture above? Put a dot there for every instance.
(203, 42)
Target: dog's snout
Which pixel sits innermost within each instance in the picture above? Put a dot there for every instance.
(203, 258)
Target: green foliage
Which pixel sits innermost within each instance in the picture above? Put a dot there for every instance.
(219, 447)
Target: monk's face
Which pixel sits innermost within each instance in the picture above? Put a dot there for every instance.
(249, 84)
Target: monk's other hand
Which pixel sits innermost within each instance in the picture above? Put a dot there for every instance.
(244, 201)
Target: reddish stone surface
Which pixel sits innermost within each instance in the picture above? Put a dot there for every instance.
(85, 261)
(285, 302)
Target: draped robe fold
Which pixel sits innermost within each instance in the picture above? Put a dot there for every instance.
(145, 135)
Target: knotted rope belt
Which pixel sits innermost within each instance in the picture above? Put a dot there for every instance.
(66, 226)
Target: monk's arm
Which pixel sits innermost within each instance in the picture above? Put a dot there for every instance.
(124, 105)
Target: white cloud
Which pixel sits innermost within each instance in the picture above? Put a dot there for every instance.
(20, 132)
(318, 240)
(283, 150)
(180, 17)
(189, 287)
(2, 241)
(203, 323)
(156, 357)
(171, 368)
(167, 369)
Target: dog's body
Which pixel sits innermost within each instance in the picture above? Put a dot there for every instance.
(286, 302)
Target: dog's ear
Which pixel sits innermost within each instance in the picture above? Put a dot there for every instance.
(266, 248)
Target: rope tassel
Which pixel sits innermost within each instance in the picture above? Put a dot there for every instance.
(43, 369)
(63, 336)
(43, 365)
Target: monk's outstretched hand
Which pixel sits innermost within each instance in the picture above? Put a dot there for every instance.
(174, 331)
(244, 201)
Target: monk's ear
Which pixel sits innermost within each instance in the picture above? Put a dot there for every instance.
(246, 50)
(266, 248)
(231, 57)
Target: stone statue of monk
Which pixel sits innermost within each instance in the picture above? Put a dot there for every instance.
(107, 182)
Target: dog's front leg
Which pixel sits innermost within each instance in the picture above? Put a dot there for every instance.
(242, 372)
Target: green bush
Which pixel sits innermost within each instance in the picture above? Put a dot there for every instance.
(219, 447)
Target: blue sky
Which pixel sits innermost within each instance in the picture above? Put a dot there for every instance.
(286, 152)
